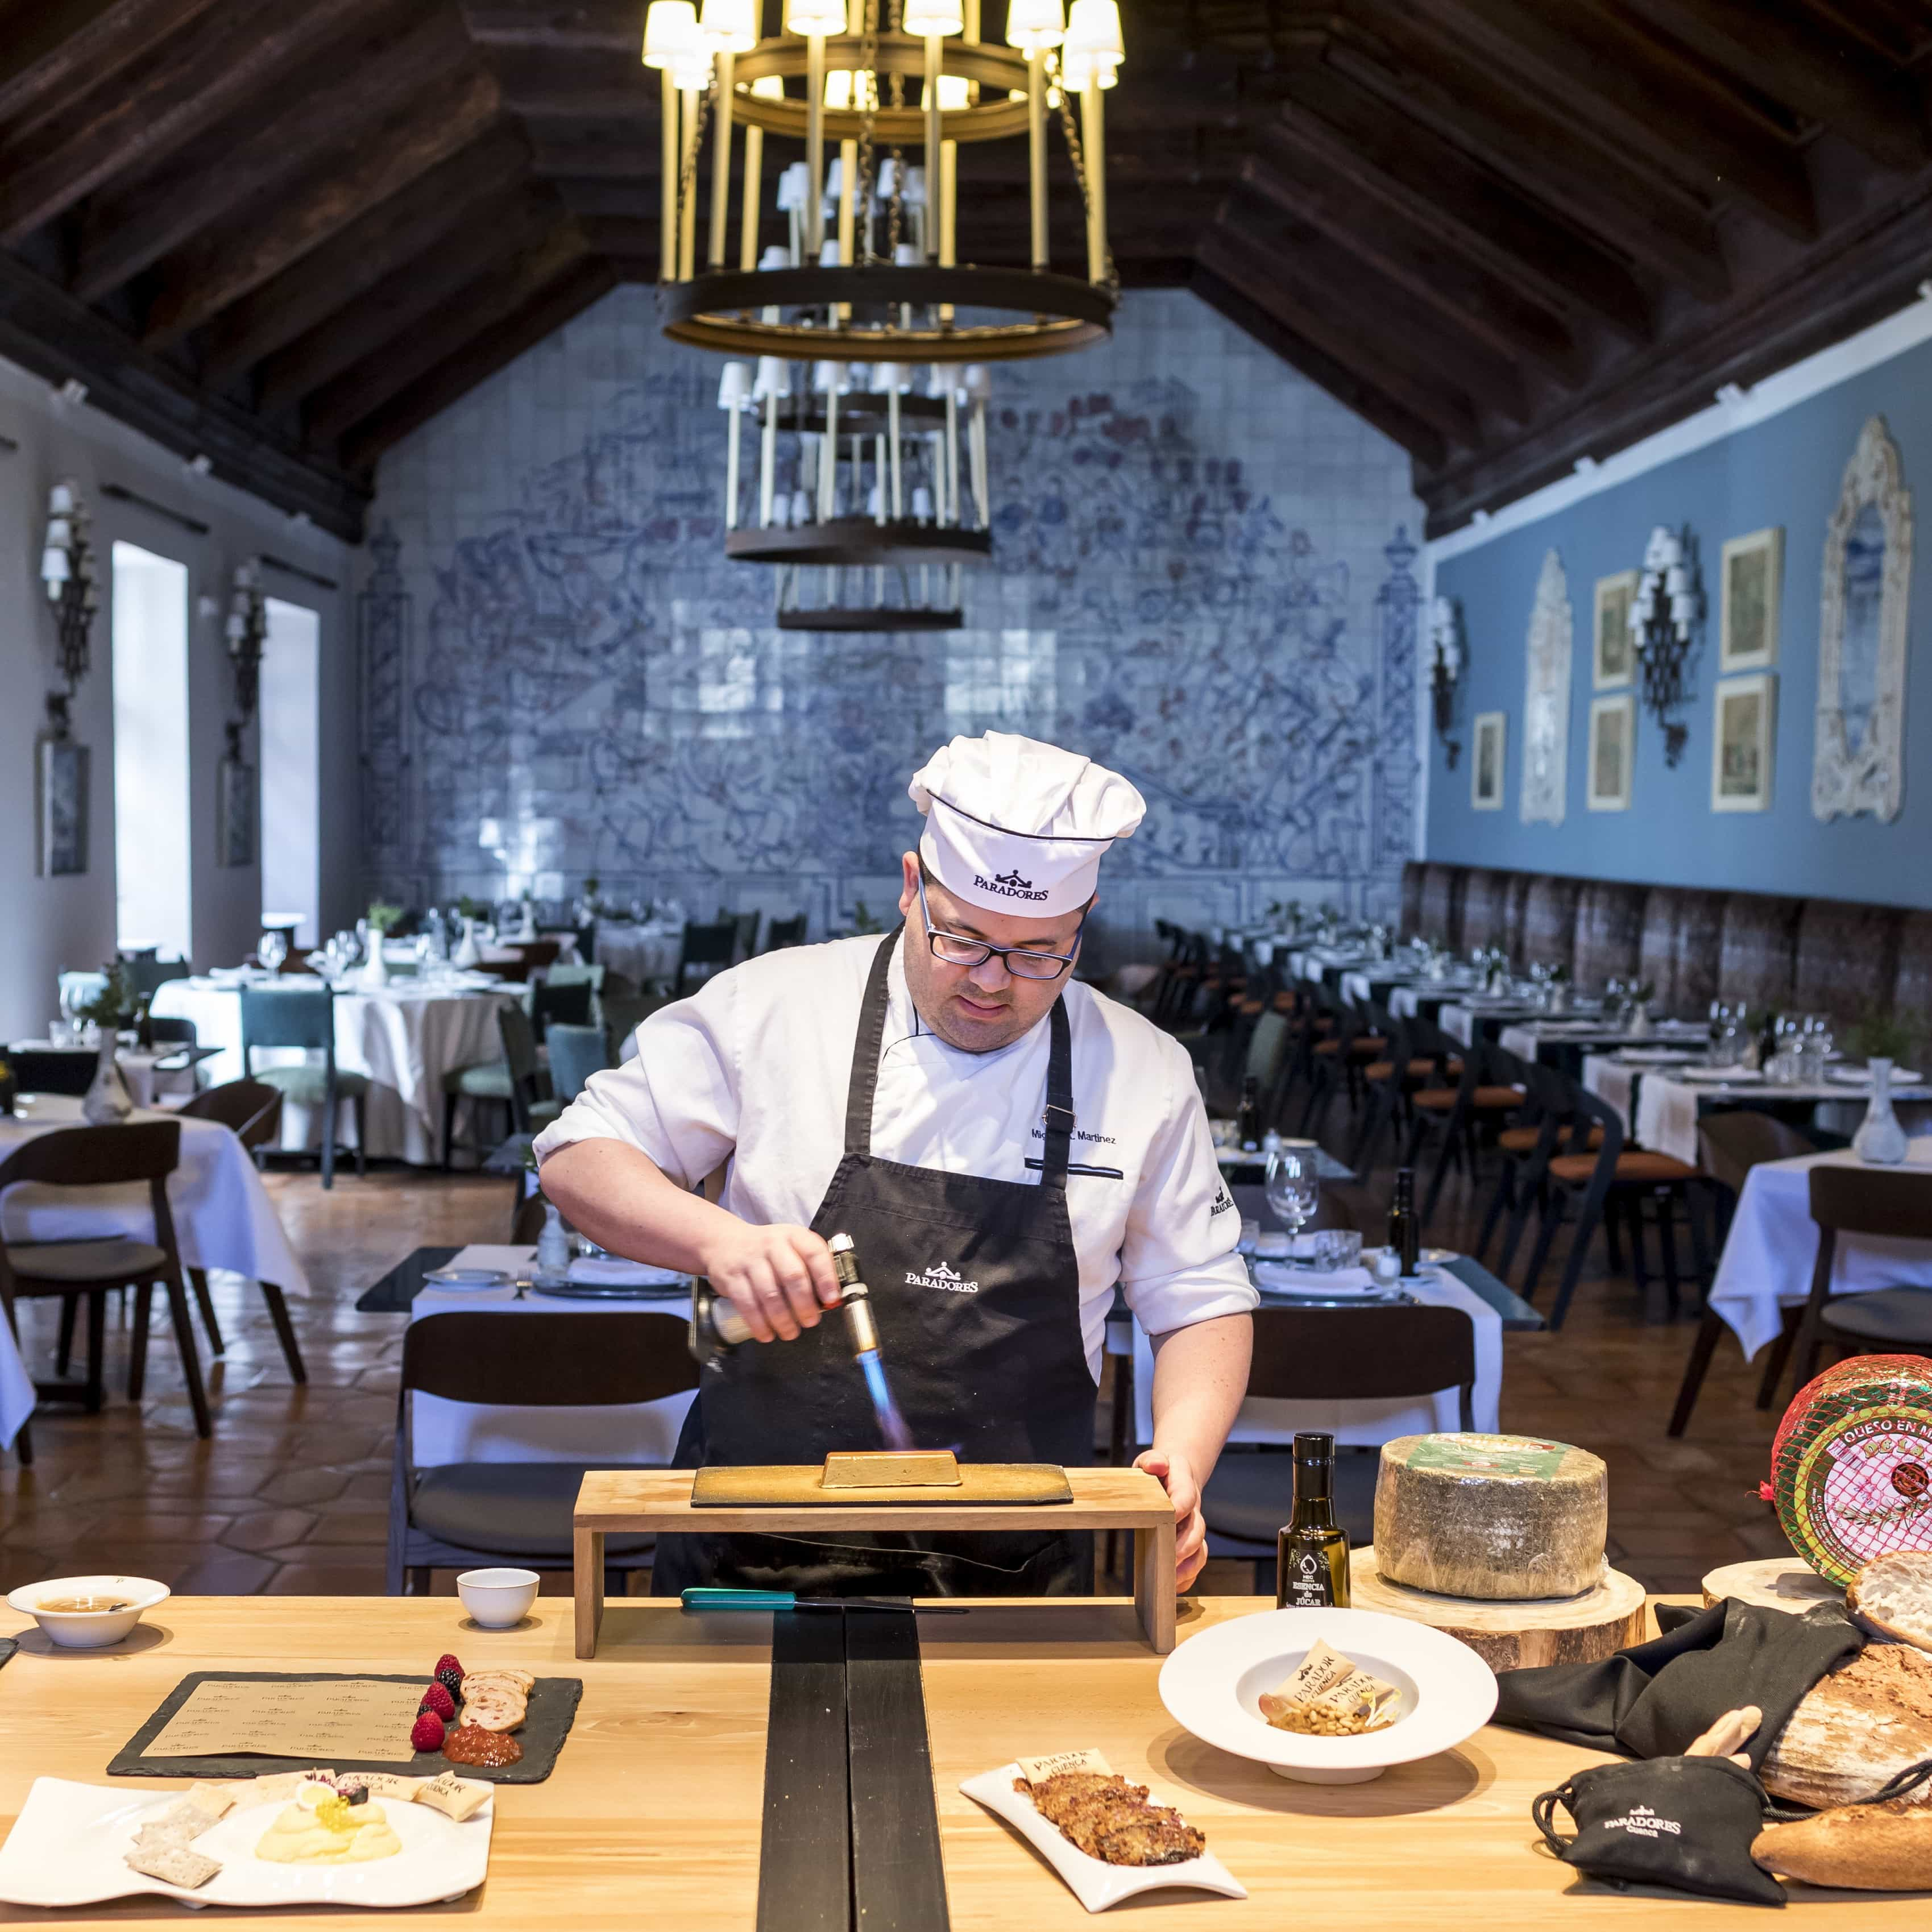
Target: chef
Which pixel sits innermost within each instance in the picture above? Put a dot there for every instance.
(1004, 1145)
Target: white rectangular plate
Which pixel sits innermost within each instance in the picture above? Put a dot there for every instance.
(1095, 1883)
(67, 1847)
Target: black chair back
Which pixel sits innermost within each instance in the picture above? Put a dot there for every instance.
(1872, 1200)
(548, 1361)
(147, 975)
(52, 1070)
(780, 933)
(706, 948)
(172, 1032)
(519, 1050)
(251, 1109)
(291, 1016)
(1314, 1354)
(1729, 1145)
(568, 1003)
(748, 924)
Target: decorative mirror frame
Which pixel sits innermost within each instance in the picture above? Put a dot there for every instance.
(1546, 705)
(1874, 780)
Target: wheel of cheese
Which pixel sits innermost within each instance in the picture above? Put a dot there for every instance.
(1499, 1518)
(1851, 1468)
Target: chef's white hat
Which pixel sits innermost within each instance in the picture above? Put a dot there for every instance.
(1017, 827)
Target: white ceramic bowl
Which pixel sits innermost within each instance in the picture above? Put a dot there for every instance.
(497, 1599)
(88, 1630)
(1212, 1684)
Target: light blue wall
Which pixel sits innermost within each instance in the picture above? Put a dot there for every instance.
(1204, 573)
(1787, 471)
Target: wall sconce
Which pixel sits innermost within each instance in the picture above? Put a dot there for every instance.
(1445, 670)
(1663, 618)
(247, 630)
(66, 570)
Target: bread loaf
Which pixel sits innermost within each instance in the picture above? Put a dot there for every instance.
(1855, 1729)
(1893, 1595)
(1867, 1848)
(1499, 1518)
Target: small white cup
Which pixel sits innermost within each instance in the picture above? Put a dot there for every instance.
(497, 1599)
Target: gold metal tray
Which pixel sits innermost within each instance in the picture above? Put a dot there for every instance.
(782, 1485)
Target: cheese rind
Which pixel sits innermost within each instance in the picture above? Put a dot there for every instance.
(1496, 1518)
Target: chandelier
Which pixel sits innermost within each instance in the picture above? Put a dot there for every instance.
(870, 493)
(887, 91)
(66, 573)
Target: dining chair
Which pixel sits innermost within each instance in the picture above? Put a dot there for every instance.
(569, 1004)
(781, 933)
(1615, 1178)
(1460, 1113)
(148, 975)
(52, 1069)
(706, 950)
(576, 1052)
(1325, 1355)
(1542, 1132)
(747, 924)
(459, 1514)
(622, 1017)
(532, 1105)
(1893, 1205)
(252, 1111)
(304, 1017)
(145, 1151)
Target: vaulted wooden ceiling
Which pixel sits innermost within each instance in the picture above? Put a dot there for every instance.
(1515, 234)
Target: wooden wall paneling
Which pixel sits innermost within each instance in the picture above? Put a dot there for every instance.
(287, 128)
(1519, 902)
(219, 61)
(378, 244)
(1758, 949)
(1549, 920)
(1847, 959)
(1347, 385)
(1486, 895)
(475, 362)
(1442, 889)
(1911, 987)
(1609, 929)
(201, 280)
(1340, 121)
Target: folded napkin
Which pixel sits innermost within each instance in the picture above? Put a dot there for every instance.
(614, 1271)
(1654, 1056)
(1278, 1279)
(1861, 1076)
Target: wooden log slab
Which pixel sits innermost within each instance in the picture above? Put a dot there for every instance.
(1582, 1629)
(1773, 1583)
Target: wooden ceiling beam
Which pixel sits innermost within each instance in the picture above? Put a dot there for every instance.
(331, 277)
(1416, 254)
(1342, 124)
(1400, 371)
(1342, 382)
(226, 264)
(220, 61)
(1796, 58)
(1429, 76)
(491, 234)
(489, 299)
(1317, 270)
(53, 51)
(476, 360)
(1612, 75)
(290, 127)
(43, 328)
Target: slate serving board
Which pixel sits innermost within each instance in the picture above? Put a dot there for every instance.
(552, 1710)
(8, 1647)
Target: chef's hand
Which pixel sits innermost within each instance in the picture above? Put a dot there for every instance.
(1190, 1534)
(776, 1277)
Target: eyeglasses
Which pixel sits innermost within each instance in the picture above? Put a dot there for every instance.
(953, 948)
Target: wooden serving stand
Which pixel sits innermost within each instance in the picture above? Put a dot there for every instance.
(658, 1502)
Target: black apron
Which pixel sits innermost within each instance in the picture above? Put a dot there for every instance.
(976, 1290)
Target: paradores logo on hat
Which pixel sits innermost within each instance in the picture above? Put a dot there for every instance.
(1008, 885)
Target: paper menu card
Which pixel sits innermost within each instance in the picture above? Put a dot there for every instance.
(289, 1716)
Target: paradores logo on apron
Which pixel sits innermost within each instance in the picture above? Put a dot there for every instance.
(941, 1276)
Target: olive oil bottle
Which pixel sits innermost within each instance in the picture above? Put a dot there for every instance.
(1311, 1564)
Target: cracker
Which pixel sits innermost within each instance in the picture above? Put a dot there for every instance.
(456, 1798)
(176, 1866)
(216, 1800)
(164, 1834)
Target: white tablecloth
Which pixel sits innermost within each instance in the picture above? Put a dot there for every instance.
(1524, 1038)
(1773, 1246)
(223, 1216)
(1405, 1001)
(1357, 1422)
(403, 1038)
(16, 1387)
(641, 953)
(1668, 1106)
(461, 1432)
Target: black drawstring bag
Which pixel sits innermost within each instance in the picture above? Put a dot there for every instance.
(1657, 1699)
(1684, 1822)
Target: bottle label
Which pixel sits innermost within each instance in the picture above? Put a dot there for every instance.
(1309, 1585)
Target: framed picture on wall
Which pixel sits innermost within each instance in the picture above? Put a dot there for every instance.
(1613, 662)
(60, 805)
(1612, 751)
(1742, 744)
(1485, 768)
(1754, 570)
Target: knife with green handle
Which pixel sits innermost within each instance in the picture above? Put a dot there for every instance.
(713, 1597)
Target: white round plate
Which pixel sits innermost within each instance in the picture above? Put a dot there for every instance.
(1212, 1685)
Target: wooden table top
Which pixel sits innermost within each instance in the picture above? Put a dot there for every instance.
(656, 1799)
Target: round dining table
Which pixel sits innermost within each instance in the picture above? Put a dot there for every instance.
(405, 1036)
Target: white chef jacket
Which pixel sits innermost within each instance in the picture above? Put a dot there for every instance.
(752, 1070)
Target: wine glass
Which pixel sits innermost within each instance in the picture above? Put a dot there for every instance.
(1294, 1188)
(271, 951)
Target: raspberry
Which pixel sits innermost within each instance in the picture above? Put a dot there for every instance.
(451, 1679)
(437, 1698)
(427, 1735)
(446, 1662)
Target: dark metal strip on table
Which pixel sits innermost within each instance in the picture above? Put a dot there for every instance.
(804, 1860)
(394, 1293)
(898, 1881)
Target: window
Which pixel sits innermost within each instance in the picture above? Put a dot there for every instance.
(152, 904)
(291, 765)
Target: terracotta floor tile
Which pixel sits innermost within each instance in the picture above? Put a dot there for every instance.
(265, 1529)
(224, 1573)
(363, 1578)
(304, 1486)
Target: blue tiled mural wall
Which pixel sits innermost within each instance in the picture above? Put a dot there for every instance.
(1203, 574)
